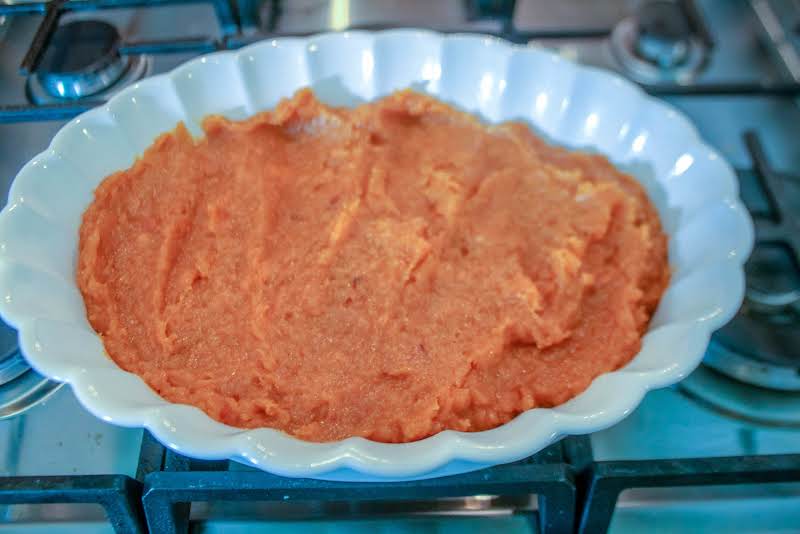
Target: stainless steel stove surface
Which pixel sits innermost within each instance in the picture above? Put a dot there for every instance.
(731, 65)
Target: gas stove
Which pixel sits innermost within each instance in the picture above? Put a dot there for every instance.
(720, 451)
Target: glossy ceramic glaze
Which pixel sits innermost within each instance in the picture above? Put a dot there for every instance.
(693, 187)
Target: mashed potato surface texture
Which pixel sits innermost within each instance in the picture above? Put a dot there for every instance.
(388, 271)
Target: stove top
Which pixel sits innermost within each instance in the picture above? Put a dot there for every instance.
(731, 65)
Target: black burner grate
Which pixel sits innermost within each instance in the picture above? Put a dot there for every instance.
(557, 475)
(118, 494)
(782, 226)
(604, 481)
(169, 493)
(226, 12)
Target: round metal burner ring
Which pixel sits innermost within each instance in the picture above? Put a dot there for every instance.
(773, 281)
(21, 387)
(752, 371)
(138, 68)
(652, 59)
(741, 401)
(761, 344)
(773, 302)
(25, 392)
(83, 60)
(12, 366)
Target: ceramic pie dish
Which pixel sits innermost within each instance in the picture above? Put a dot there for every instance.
(693, 188)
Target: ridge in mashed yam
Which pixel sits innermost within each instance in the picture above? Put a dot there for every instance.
(388, 271)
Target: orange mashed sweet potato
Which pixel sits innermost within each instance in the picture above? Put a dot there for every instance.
(388, 271)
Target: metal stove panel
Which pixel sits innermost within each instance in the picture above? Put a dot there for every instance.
(311, 16)
(576, 15)
(669, 424)
(708, 509)
(59, 437)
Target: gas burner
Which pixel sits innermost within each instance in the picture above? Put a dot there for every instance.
(82, 60)
(25, 392)
(761, 345)
(773, 285)
(21, 388)
(12, 364)
(658, 45)
(742, 401)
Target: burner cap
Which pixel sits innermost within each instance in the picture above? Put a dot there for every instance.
(82, 59)
(663, 37)
(656, 44)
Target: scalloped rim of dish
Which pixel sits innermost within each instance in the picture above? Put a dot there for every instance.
(710, 237)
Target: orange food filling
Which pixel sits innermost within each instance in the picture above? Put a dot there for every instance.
(388, 271)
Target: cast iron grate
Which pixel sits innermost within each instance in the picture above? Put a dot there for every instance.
(603, 482)
(782, 224)
(169, 493)
(119, 495)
